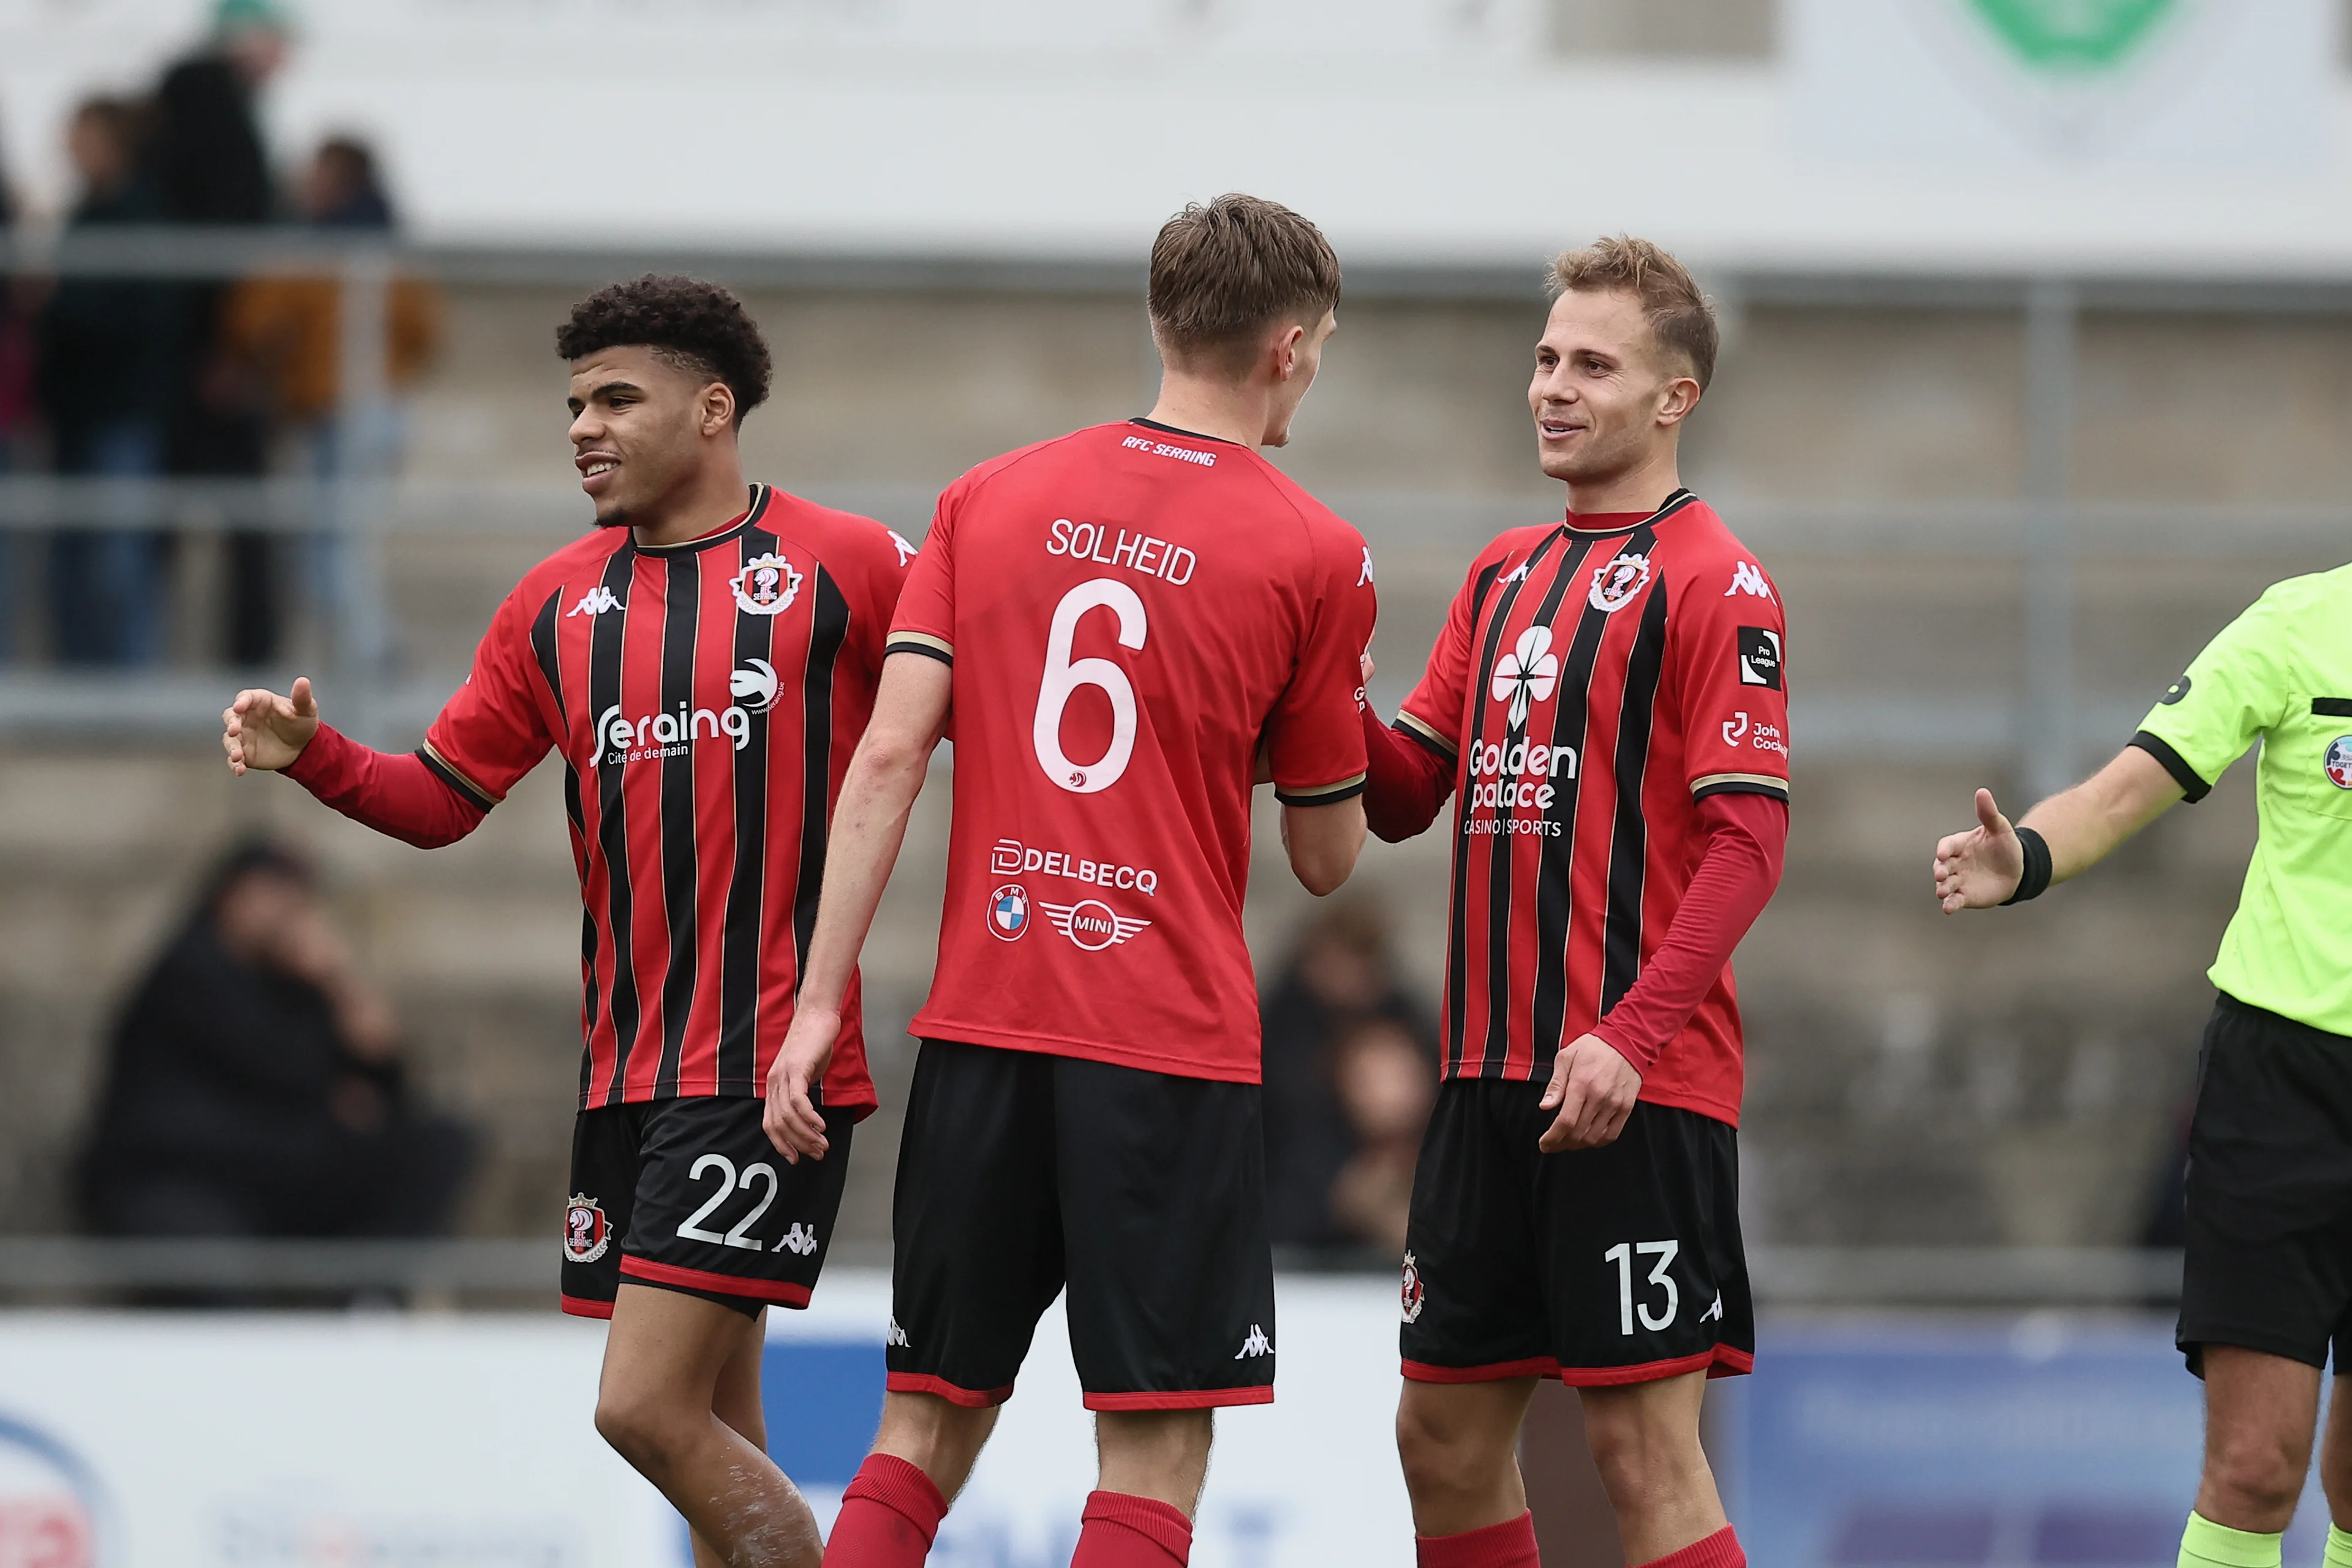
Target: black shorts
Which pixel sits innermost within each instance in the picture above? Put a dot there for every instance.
(689, 1194)
(1620, 1264)
(1144, 1193)
(2269, 1264)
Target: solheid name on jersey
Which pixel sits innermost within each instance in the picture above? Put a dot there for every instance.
(1141, 553)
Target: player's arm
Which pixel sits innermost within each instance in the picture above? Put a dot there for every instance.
(910, 713)
(2076, 829)
(1409, 765)
(1323, 842)
(1315, 746)
(2234, 691)
(396, 794)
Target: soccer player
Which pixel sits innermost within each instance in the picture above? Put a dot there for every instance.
(704, 661)
(1122, 622)
(1608, 702)
(2267, 1281)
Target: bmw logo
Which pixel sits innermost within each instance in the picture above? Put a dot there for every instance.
(1008, 912)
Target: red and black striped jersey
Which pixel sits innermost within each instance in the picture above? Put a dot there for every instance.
(1595, 679)
(706, 697)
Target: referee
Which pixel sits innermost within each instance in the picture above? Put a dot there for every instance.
(2268, 1281)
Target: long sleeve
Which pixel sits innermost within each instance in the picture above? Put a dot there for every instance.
(394, 794)
(1405, 782)
(1746, 835)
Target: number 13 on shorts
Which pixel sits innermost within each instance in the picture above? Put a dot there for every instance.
(1630, 1305)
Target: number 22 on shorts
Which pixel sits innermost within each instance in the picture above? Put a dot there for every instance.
(1064, 676)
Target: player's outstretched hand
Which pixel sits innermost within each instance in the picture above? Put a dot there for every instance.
(262, 729)
(1593, 1088)
(1981, 868)
(792, 1122)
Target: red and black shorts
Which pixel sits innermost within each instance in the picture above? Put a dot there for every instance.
(1143, 1192)
(1616, 1265)
(689, 1194)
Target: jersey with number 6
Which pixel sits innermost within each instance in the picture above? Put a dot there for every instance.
(1131, 612)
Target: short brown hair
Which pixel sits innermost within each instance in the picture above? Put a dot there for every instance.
(1681, 318)
(1222, 274)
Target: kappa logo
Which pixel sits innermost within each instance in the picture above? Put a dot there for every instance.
(1714, 1312)
(595, 601)
(907, 552)
(767, 586)
(1519, 575)
(801, 1240)
(1413, 1294)
(1365, 575)
(1748, 578)
(1618, 581)
(1255, 1344)
(897, 1336)
(586, 1234)
(1093, 924)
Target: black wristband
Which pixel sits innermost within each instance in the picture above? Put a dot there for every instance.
(2036, 880)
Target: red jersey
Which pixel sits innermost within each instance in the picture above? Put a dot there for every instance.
(1595, 679)
(706, 697)
(1132, 611)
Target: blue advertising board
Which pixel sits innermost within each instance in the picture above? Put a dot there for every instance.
(2037, 1442)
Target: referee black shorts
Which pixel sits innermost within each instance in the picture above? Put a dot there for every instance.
(2269, 1264)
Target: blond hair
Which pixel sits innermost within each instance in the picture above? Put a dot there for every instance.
(1680, 316)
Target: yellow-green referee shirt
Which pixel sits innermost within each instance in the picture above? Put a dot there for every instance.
(2282, 672)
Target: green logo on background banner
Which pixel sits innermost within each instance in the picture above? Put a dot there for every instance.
(2073, 34)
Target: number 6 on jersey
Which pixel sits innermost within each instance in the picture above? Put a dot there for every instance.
(1063, 678)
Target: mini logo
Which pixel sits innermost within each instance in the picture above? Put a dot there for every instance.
(897, 1336)
(2175, 692)
(585, 1235)
(1414, 1293)
(1760, 657)
(1714, 1312)
(1734, 728)
(1748, 578)
(1256, 1344)
(1008, 912)
(1365, 575)
(2339, 762)
(767, 586)
(906, 552)
(1093, 924)
(801, 1240)
(594, 602)
(1615, 583)
(753, 686)
(1528, 674)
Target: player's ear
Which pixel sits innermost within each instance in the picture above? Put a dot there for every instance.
(1680, 395)
(718, 409)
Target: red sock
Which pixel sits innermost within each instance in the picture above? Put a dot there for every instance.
(1720, 1550)
(1510, 1544)
(1123, 1531)
(887, 1518)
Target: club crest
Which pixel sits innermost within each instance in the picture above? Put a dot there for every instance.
(1615, 583)
(585, 1233)
(767, 586)
(1413, 1294)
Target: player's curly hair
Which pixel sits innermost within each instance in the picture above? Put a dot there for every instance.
(698, 326)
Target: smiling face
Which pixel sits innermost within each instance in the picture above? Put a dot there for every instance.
(642, 430)
(1608, 398)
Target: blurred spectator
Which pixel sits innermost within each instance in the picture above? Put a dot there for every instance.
(291, 329)
(1385, 1083)
(257, 1087)
(210, 168)
(104, 384)
(1329, 1081)
(17, 407)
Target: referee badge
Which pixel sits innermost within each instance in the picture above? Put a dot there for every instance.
(2339, 762)
(586, 1234)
